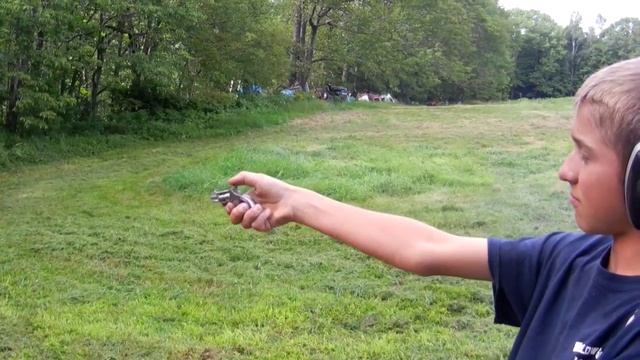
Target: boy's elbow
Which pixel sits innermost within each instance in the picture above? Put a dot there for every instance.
(421, 261)
(458, 256)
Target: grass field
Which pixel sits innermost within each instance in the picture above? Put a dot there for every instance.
(122, 255)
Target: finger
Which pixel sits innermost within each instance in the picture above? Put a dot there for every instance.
(238, 213)
(250, 216)
(229, 207)
(261, 223)
(244, 178)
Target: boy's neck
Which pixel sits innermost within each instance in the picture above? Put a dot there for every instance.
(625, 254)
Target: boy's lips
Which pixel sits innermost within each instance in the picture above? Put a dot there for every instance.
(573, 200)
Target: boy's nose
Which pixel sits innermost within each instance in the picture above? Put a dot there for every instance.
(567, 171)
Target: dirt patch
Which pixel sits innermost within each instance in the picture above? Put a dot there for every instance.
(210, 354)
(206, 354)
(328, 119)
(397, 125)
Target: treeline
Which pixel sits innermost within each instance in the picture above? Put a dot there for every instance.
(73, 63)
(552, 61)
(65, 62)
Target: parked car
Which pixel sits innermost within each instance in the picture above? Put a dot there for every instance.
(335, 93)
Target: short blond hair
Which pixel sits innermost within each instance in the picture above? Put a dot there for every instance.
(613, 94)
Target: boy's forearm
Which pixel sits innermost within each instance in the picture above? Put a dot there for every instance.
(396, 240)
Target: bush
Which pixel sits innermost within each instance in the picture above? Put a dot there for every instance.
(303, 96)
(127, 128)
(4, 152)
(214, 101)
(151, 97)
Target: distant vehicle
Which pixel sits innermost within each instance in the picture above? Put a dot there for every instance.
(291, 90)
(287, 92)
(376, 97)
(335, 93)
(253, 89)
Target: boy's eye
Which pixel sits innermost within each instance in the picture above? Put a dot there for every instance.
(584, 157)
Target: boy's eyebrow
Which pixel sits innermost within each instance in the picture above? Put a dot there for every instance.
(580, 143)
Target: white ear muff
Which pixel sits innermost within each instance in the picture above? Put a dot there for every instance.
(632, 187)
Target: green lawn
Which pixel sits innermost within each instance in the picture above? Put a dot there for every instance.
(123, 256)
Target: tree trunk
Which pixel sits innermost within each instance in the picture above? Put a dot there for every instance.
(299, 27)
(308, 59)
(11, 115)
(573, 65)
(95, 81)
(72, 84)
(101, 49)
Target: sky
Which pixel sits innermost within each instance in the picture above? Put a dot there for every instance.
(560, 10)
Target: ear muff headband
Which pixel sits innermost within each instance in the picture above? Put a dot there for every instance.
(632, 187)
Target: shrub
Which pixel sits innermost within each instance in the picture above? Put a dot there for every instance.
(86, 138)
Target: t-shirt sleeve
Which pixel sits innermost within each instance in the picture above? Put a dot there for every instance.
(515, 267)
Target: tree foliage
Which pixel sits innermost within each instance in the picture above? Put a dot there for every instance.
(539, 54)
(80, 61)
(552, 61)
(421, 50)
(67, 63)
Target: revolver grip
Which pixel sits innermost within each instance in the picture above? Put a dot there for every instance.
(243, 198)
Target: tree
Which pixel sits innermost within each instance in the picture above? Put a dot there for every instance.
(622, 39)
(490, 60)
(65, 62)
(420, 50)
(239, 40)
(539, 55)
(619, 41)
(309, 16)
(33, 60)
(575, 46)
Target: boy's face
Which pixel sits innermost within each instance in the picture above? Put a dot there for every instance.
(594, 174)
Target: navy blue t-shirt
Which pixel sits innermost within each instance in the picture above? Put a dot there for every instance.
(557, 289)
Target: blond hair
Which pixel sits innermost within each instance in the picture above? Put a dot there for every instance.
(613, 94)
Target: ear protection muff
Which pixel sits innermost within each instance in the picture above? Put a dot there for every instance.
(632, 187)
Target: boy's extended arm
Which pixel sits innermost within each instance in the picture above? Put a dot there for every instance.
(399, 241)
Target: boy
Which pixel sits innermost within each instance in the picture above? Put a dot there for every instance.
(573, 295)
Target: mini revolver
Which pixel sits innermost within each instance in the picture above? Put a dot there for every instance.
(232, 196)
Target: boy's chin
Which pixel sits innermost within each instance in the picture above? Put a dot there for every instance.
(600, 228)
(589, 227)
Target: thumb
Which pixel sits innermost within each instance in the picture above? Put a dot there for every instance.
(244, 178)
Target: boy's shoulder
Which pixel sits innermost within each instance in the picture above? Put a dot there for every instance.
(574, 244)
(559, 244)
(566, 249)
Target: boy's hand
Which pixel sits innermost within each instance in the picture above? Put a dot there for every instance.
(273, 202)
